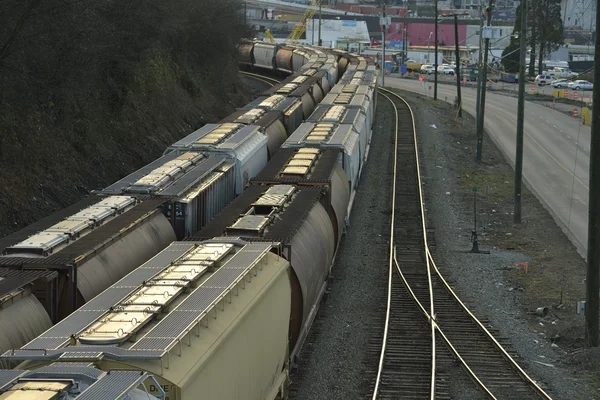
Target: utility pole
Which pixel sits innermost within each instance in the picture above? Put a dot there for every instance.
(404, 44)
(383, 29)
(483, 87)
(459, 98)
(520, 112)
(435, 79)
(320, 41)
(593, 249)
(478, 103)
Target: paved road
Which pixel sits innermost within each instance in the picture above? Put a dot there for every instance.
(583, 96)
(556, 151)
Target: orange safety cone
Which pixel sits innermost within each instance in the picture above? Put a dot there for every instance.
(574, 95)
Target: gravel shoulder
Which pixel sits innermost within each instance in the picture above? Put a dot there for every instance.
(333, 363)
(496, 285)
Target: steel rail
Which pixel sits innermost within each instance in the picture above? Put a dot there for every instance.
(389, 289)
(425, 242)
(392, 249)
(431, 269)
(497, 344)
(434, 323)
(264, 79)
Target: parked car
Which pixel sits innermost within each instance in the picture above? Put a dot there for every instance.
(412, 65)
(427, 69)
(559, 72)
(581, 84)
(446, 70)
(560, 83)
(544, 79)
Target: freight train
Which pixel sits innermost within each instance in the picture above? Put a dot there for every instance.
(261, 201)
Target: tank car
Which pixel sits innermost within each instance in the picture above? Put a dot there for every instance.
(264, 55)
(303, 220)
(311, 167)
(193, 186)
(246, 56)
(22, 316)
(360, 96)
(291, 107)
(246, 144)
(295, 90)
(272, 123)
(284, 59)
(343, 60)
(328, 65)
(329, 135)
(300, 57)
(355, 116)
(90, 245)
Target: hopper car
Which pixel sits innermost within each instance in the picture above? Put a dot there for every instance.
(180, 323)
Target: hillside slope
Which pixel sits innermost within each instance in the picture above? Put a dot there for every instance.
(90, 91)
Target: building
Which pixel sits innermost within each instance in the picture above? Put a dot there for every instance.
(335, 29)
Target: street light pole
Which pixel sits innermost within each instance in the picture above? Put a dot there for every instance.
(593, 248)
(458, 94)
(477, 109)
(383, 28)
(428, 55)
(320, 41)
(435, 82)
(520, 112)
(481, 115)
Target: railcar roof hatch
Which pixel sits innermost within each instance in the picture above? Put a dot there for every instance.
(140, 307)
(47, 241)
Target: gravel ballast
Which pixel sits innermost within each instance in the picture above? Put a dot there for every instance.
(331, 364)
(335, 362)
(489, 283)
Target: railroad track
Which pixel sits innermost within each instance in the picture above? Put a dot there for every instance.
(424, 317)
(261, 78)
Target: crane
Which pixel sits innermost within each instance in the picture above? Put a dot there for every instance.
(269, 36)
(299, 29)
